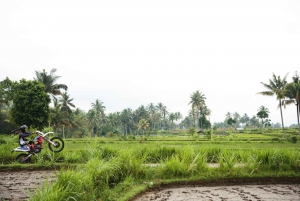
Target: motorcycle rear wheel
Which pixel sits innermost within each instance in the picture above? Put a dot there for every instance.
(23, 158)
(59, 144)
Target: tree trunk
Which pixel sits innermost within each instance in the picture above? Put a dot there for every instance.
(281, 118)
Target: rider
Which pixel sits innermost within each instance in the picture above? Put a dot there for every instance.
(23, 140)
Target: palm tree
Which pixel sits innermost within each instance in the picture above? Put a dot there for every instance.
(228, 115)
(126, 118)
(178, 116)
(152, 112)
(276, 87)
(93, 121)
(160, 107)
(58, 118)
(99, 107)
(143, 125)
(292, 91)
(197, 102)
(172, 117)
(245, 119)
(49, 82)
(114, 119)
(165, 113)
(140, 113)
(263, 113)
(66, 103)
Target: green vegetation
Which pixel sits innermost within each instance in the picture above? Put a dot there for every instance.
(118, 168)
(117, 155)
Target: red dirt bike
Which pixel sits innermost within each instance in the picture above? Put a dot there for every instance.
(56, 144)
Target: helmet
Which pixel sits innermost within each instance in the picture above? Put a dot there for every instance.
(23, 127)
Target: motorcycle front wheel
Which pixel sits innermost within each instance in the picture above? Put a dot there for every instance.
(23, 158)
(58, 145)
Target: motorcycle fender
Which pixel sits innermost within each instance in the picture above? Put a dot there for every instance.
(20, 149)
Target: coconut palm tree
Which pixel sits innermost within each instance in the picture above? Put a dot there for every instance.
(141, 113)
(49, 81)
(276, 87)
(178, 116)
(197, 102)
(143, 125)
(164, 113)
(58, 118)
(126, 118)
(172, 118)
(292, 91)
(160, 107)
(93, 121)
(65, 103)
(152, 113)
(98, 107)
(245, 119)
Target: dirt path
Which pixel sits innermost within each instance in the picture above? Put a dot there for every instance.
(270, 192)
(14, 185)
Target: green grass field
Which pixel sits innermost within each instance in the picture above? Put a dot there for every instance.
(118, 168)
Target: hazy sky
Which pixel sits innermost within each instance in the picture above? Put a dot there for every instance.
(132, 53)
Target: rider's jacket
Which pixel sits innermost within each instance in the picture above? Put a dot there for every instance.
(22, 138)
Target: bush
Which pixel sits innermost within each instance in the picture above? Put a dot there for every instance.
(293, 139)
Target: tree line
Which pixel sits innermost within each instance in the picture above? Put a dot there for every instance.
(28, 102)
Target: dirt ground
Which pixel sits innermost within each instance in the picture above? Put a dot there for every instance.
(269, 192)
(14, 185)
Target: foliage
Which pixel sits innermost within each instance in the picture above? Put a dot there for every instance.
(276, 87)
(49, 81)
(30, 104)
(192, 131)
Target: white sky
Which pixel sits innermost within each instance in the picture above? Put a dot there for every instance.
(134, 52)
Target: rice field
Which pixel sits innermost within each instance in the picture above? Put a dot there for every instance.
(118, 169)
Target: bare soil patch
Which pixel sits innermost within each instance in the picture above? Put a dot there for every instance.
(279, 192)
(14, 185)
(232, 190)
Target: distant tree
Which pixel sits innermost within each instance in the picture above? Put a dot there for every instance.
(192, 131)
(254, 122)
(30, 104)
(267, 123)
(99, 107)
(245, 119)
(49, 81)
(172, 117)
(276, 87)
(160, 107)
(187, 122)
(58, 118)
(205, 123)
(126, 119)
(141, 113)
(152, 111)
(237, 118)
(231, 121)
(197, 102)
(93, 121)
(66, 103)
(143, 125)
(5, 92)
(262, 114)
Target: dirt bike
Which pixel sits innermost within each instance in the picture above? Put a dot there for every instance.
(56, 144)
